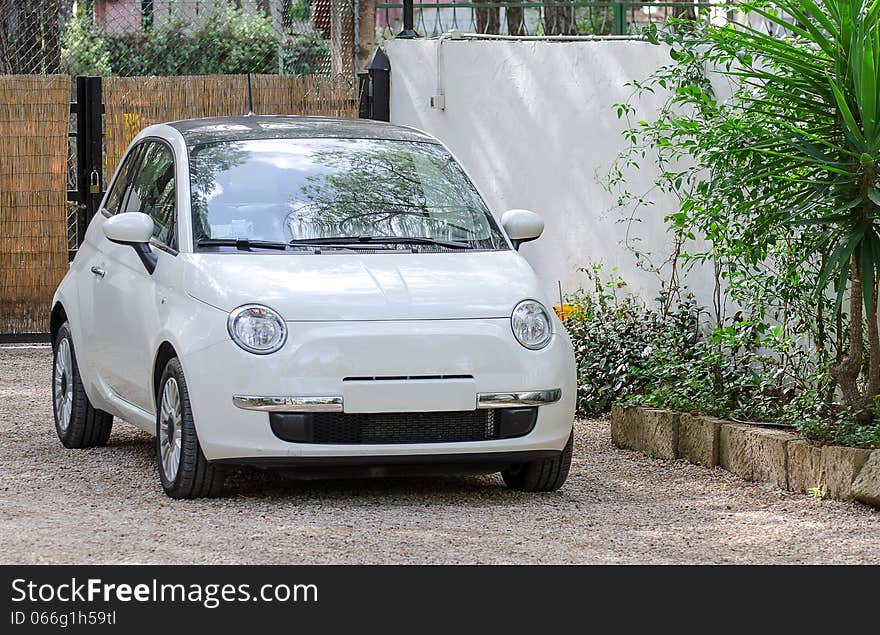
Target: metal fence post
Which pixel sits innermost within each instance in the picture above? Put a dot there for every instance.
(619, 18)
(89, 151)
(379, 86)
(409, 31)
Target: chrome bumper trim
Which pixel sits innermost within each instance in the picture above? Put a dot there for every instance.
(518, 399)
(288, 404)
(334, 404)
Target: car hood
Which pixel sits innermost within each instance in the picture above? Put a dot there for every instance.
(334, 286)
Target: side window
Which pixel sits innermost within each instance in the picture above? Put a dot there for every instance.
(152, 191)
(123, 180)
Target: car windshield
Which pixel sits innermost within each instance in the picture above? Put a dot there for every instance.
(289, 190)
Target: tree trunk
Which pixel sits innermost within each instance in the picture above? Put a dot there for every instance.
(846, 372)
(488, 20)
(559, 20)
(515, 23)
(366, 32)
(342, 38)
(873, 387)
(51, 20)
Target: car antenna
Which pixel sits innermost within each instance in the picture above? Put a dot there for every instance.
(250, 97)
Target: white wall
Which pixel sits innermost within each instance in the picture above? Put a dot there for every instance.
(533, 123)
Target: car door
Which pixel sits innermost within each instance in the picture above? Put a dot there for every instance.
(131, 301)
(92, 291)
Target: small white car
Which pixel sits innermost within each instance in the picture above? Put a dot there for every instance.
(310, 292)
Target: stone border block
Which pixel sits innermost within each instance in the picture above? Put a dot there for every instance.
(866, 487)
(755, 454)
(698, 439)
(647, 430)
(840, 467)
(804, 466)
(733, 451)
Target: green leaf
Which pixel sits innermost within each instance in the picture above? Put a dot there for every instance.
(851, 125)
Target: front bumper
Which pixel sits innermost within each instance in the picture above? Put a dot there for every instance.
(310, 371)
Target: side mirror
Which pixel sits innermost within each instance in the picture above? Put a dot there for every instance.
(522, 226)
(134, 229)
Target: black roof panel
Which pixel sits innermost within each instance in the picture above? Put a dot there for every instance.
(214, 129)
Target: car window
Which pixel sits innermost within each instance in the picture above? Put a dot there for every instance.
(299, 189)
(152, 191)
(123, 180)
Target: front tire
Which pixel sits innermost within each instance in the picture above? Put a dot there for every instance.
(543, 475)
(183, 468)
(77, 422)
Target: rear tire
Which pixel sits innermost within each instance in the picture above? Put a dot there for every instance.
(183, 468)
(77, 422)
(543, 475)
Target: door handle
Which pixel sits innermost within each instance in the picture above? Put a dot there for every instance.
(98, 272)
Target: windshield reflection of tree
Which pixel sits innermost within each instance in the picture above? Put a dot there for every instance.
(389, 191)
(206, 163)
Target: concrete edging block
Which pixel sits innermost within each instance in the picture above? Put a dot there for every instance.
(804, 466)
(756, 454)
(866, 487)
(840, 467)
(647, 430)
(698, 439)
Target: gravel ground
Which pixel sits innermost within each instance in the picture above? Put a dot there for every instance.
(106, 506)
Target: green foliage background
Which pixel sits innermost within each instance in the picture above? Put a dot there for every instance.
(226, 41)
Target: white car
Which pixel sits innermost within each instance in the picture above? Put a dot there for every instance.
(310, 292)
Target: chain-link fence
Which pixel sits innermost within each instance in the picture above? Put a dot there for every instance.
(176, 37)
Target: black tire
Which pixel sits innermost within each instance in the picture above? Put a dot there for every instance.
(195, 476)
(543, 475)
(87, 427)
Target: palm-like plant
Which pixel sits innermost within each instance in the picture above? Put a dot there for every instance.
(817, 152)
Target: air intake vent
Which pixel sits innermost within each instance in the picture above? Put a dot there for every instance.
(337, 428)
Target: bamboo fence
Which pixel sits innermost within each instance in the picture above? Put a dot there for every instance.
(133, 103)
(34, 113)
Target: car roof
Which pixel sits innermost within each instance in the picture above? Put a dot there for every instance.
(198, 132)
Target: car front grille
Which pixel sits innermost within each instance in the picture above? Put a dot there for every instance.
(401, 427)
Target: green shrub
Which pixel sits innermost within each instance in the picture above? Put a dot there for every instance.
(83, 48)
(300, 11)
(226, 41)
(614, 335)
(306, 54)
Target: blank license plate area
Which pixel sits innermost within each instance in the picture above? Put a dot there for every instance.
(408, 395)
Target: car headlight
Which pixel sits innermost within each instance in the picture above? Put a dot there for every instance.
(257, 329)
(531, 324)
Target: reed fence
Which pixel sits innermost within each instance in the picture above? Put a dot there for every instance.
(34, 111)
(133, 103)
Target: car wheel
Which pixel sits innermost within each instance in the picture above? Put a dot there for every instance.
(77, 422)
(543, 475)
(183, 468)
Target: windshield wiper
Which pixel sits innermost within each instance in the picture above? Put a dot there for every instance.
(242, 244)
(380, 240)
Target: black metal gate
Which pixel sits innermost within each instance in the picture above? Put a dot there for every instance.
(88, 108)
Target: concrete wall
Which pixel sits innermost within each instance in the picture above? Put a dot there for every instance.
(533, 123)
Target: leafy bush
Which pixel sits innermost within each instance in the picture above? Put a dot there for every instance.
(778, 191)
(83, 48)
(227, 41)
(614, 335)
(636, 355)
(300, 11)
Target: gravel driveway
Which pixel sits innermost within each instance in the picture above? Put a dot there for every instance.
(106, 506)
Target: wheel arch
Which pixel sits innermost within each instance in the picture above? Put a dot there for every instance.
(57, 317)
(164, 354)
